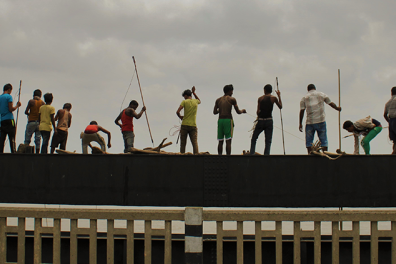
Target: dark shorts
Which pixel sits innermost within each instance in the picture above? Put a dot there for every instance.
(59, 138)
(392, 129)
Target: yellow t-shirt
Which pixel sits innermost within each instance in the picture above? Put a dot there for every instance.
(190, 112)
(45, 117)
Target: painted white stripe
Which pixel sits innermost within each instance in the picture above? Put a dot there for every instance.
(193, 244)
(193, 216)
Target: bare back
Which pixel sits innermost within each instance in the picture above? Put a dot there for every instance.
(224, 104)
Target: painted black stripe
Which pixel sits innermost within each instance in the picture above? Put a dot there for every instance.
(193, 230)
(194, 258)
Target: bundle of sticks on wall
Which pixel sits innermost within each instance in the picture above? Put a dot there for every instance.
(157, 150)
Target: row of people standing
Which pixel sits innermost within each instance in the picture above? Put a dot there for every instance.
(313, 104)
(42, 118)
(41, 121)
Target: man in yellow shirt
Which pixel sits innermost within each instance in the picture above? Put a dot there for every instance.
(189, 124)
(47, 121)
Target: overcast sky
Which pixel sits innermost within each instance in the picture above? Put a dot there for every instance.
(81, 52)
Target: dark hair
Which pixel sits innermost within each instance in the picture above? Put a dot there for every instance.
(228, 88)
(37, 93)
(394, 90)
(268, 88)
(67, 106)
(187, 92)
(133, 102)
(7, 87)
(311, 87)
(93, 123)
(347, 124)
(48, 97)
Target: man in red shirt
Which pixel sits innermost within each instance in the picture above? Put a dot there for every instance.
(126, 116)
(91, 134)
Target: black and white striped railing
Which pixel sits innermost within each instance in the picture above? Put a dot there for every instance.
(193, 235)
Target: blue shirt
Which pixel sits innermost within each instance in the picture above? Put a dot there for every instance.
(4, 110)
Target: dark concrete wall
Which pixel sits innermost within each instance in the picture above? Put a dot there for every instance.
(246, 181)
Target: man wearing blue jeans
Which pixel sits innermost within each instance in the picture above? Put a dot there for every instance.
(265, 105)
(32, 127)
(313, 102)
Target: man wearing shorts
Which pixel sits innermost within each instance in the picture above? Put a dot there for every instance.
(64, 118)
(313, 102)
(265, 105)
(225, 124)
(390, 117)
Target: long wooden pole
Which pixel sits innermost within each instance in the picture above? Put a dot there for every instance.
(283, 134)
(339, 113)
(141, 93)
(19, 99)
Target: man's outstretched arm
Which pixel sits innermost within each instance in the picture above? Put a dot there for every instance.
(333, 105)
(301, 119)
(236, 107)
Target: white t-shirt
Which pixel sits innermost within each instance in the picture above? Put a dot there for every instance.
(313, 103)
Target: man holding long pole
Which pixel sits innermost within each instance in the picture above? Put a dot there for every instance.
(126, 117)
(7, 118)
(265, 105)
(144, 106)
(313, 103)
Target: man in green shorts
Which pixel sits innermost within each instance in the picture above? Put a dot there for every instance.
(189, 120)
(225, 124)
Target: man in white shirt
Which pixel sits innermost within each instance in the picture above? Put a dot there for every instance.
(390, 117)
(313, 102)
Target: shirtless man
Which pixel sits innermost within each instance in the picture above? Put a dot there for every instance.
(265, 105)
(32, 111)
(126, 117)
(225, 124)
(64, 118)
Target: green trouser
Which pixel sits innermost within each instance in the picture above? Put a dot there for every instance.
(366, 140)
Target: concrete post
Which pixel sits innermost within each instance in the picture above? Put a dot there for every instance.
(193, 235)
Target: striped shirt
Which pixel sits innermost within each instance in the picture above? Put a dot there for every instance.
(313, 102)
(390, 107)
